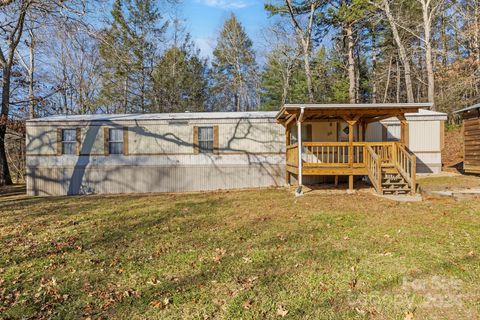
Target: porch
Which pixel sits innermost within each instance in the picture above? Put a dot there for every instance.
(389, 165)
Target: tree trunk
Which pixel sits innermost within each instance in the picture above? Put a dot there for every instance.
(31, 72)
(387, 86)
(351, 64)
(305, 38)
(64, 89)
(237, 102)
(286, 82)
(428, 53)
(444, 36)
(125, 94)
(402, 51)
(476, 36)
(5, 178)
(374, 66)
(398, 82)
(308, 73)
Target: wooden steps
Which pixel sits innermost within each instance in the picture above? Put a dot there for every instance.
(393, 183)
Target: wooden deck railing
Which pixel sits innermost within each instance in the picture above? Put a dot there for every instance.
(374, 166)
(370, 155)
(406, 163)
(292, 155)
(334, 154)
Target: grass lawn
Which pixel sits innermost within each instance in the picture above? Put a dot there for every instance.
(249, 255)
(449, 182)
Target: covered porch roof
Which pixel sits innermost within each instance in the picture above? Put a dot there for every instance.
(365, 112)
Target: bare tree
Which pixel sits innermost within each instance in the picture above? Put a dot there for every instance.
(29, 67)
(384, 5)
(429, 11)
(13, 31)
(14, 14)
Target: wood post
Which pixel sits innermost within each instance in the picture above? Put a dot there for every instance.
(404, 130)
(300, 147)
(364, 131)
(287, 143)
(300, 150)
(414, 174)
(350, 142)
(351, 123)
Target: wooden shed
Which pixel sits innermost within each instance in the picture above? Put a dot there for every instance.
(471, 136)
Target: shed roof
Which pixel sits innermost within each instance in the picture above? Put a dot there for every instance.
(158, 116)
(368, 111)
(357, 106)
(475, 106)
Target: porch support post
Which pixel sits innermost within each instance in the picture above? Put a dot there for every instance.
(351, 123)
(300, 151)
(364, 131)
(404, 130)
(287, 142)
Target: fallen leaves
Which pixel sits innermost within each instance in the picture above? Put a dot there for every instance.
(247, 304)
(161, 304)
(409, 316)
(282, 311)
(247, 260)
(219, 254)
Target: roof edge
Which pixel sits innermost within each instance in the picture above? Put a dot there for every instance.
(157, 116)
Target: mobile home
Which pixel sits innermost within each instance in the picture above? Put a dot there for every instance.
(83, 154)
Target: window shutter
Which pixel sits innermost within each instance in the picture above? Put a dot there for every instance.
(59, 142)
(125, 141)
(106, 138)
(196, 148)
(216, 145)
(79, 141)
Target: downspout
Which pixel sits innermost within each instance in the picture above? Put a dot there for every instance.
(300, 119)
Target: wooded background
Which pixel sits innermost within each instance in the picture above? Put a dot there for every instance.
(63, 57)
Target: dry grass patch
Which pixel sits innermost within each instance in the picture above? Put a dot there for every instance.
(449, 181)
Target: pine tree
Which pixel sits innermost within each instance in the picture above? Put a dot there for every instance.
(128, 51)
(115, 53)
(233, 71)
(180, 82)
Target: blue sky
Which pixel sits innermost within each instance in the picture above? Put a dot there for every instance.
(204, 19)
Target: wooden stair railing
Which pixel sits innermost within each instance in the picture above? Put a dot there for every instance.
(374, 166)
(406, 164)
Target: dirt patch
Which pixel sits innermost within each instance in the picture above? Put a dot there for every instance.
(452, 153)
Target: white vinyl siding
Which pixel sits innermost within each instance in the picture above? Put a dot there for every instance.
(393, 132)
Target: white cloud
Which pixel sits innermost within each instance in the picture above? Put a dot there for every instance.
(225, 4)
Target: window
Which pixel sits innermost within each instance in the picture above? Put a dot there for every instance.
(115, 141)
(205, 139)
(69, 141)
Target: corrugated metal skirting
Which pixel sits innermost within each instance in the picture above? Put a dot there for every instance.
(137, 179)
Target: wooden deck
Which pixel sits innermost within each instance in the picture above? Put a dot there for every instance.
(377, 160)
